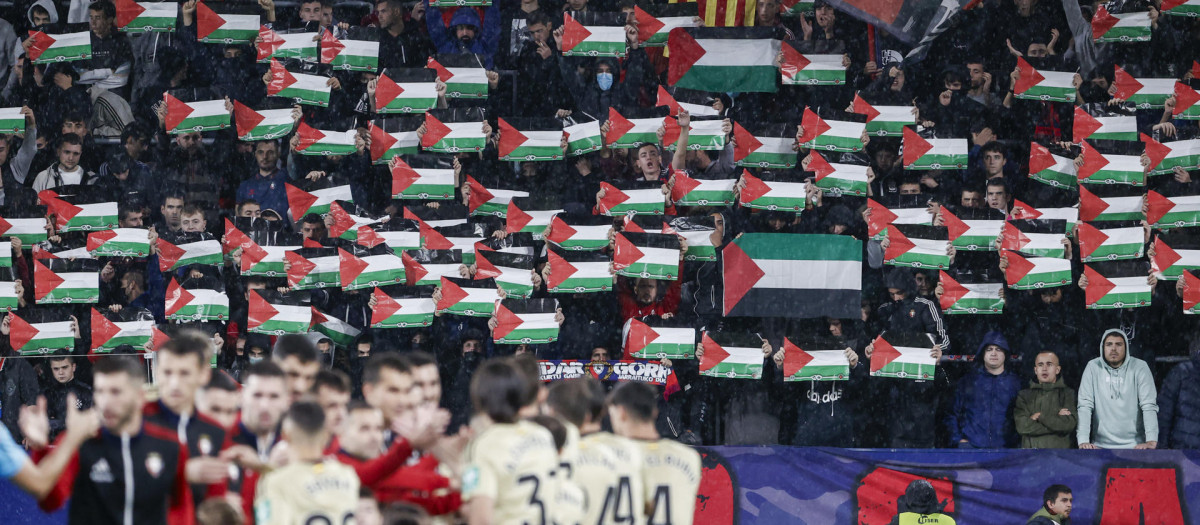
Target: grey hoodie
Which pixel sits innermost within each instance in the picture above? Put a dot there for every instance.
(1118, 407)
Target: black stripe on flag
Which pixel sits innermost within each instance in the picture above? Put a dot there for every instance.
(436, 256)
(653, 240)
(507, 260)
(1047, 226)
(411, 75)
(530, 306)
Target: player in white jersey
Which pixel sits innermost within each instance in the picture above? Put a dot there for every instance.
(310, 488)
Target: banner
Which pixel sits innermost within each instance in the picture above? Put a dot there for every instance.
(623, 370)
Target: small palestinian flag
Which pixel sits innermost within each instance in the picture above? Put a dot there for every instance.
(213, 28)
(783, 195)
(706, 134)
(312, 90)
(619, 202)
(884, 121)
(398, 239)
(463, 74)
(655, 22)
(830, 135)
(1088, 127)
(696, 103)
(40, 338)
(579, 40)
(972, 232)
(800, 69)
(969, 297)
(686, 191)
(933, 154)
(340, 332)
(730, 355)
(347, 54)
(119, 242)
(393, 137)
(1123, 204)
(578, 272)
(427, 267)
(1175, 253)
(345, 224)
(423, 184)
(1046, 86)
(1181, 153)
(1186, 99)
(266, 124)
(1021, 210)
(917, 246)
(513, 272)
(311, 268)
(642, 341)
(1116, 285)
(1164, 212)
(71, 248)
(836, 179)
(534, 140)
(272, 313)
(797, 7)
(1051, 169)
(1181, 7)
(1144, 93)
(173, 257)
(452, 137)
(462, 237)
(147, 17)
(1031, 273)
(624, 133)
(197, 304)
(1120, 27)
(881, 217)
(579, 233)
(526, 321)
(805, 276)
(1036, 237)
(903, 356)
(772, 147)
(724, 59)
(401, 312)
(11, 121)
(493, 202)
(531, 221)
(584, 138)
(108, 335)
(49, 49)
(412, 90)
(697, 230)
(275, 45)
(1101, 168)
(266, 261)
(814, 362)
(78, 217)
(302, 202)
(369, 271)
(1191, 293)
(324, 143)
(647, 255)
(8, 296)
(469, 298)
(65, 282)
(643, 224)
(1109, 244)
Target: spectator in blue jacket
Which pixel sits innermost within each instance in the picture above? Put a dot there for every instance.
(1179, 404)
(466, 34)
(981, 414)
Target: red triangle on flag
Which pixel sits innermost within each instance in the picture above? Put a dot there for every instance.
(794, 358)
(618, 126)
(385, 306)
(381, 142)
(793, 61)
(1097, 287)
(41, 42)
(515, 219)
(298, 267)
(413, 270)
(168, 254)
(1024, 211)
(331, 47)
(62, 211)
(560, 269)
(479, 194)
(1157, 205)
(626, 253)
(506, 322)
(403, 176)
(665, 98)
(259, 311)
(97, 239)
(1126, 85)
(629, 226)
(311, 243)
(1185, 98)
(1081, 128)
(342, 221)
(44, 280)
(435, 131)
(1093, 161)
(1040, 157)
(898, 244)
(640, 336)
(443, 74)
(103, 330)
(914, 146)
(349, 267)
(955, 227)
(573, 33)
(316, 317)
(818, 165)
(1164, 256)
(1012, 238)
(307, 136)
(671, 130)
(685, 51)
(745, 142)
(952, 291)
(1029, 76)
(252, 253)
(431, 239)
(560, 231)
(1102, 21)
(510, 138)
(4, 226)
(451, 294)
(484, 269)
(863, 108)
(299, 201)
(1195, 63)
(207, 21)
(127, 11)
(714, 354)
(1191, 292)
(368, 237)
(268, 42)
(647, 24)
(1155, 150)
(882, 354)
(281, 78)
(245, 118)
(20, 332)
(386, 90)
(682, 184)
(754, 187)
(612, 196)
(881, 217)
(157, 338)
(740, 274)
(1089, 238)
(177, 297)
(1090, 206)
(814, 126)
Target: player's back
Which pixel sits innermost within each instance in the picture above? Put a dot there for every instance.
(596, 474)
(514, 465)
(624, 502)
(303, 493)
(671, 473)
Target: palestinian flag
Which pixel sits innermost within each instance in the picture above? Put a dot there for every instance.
(72, 248)
(1020, 211)
(6, 255)
(424, 183)
(348, 54)
(1182, 153)
(406, 312)
(696, 103)
(917, 246)
(173, 257)
(398, 240)
(302, 88)
(452, 137)
(340, 332)
(797, 7)
(884, 121)
(1116, 285)
(647, 255)
(1120, 27)
(531, 221)
(324, 143)
(462, 73)
(63, 285)
(487, 202)
(836, 179)
(513, 272)
(734, 356)
(970, 297)
(812, 364)
(1191, 293)
(686, 191)
(933, 154)
(620, 202)
(426, 268)
(626, 133)
(298, 46)
(1103, 168)
(267, 124)
(1030, 273)
(882, 217)
(8, 296)
(1124, 205)
(526, 321)
(469, 298)
(197, 304)
(723, 60)
(385, 145)
(574, 233)
(799, 69)
(268, 313)
(804, 276)
(412, 90)
(903, 356)
(973, 232)
(461, 238)
(772, 149)
(1144, 93)
(213, 28)
(119, 242)
(655, 22)
(11, 121)
(1088, 127)
(235, 238)
(48, 49)
(266, 261)
(1051, 169)
(302, 202)
(697, 230)
(82, 217)
(1046, 86)
(191, 117)
(108, 335)
(369, 271)
(1172, 212)
(1186, 99)
(313, 268)
(535, 141)
(40, 338)
(1036, 237)
(1175, 254)
(584, 138)
(1109, 244)
(579, 40)
(830, 135)
(578, 272)
(1181, 7)
(146, 17)
(707, 135)
(642, 341)
(345, 224)
(772, 195)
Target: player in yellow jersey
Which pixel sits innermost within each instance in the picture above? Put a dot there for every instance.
(568, 504)
(510, 464)
(311, 488)
(671, 470)
(580, 402)
(622, 501)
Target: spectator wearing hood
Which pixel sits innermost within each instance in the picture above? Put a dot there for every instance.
(121, 178)
(919, 504)
(56, 95)
(607, 84)
(466, 33)
(908, 311)
(1179, 404)
(980, 415)
(15, 162)
(1117, 401)
(1045, 412)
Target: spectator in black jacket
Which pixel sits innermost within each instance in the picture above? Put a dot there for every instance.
(1179, 404)
(62, 366)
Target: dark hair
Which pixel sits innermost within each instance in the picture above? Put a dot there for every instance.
(420, 358)
(569, 400)
(104, 6)
(312, 218)
(221, 380)
(69, 139)
(60, 355)
(269, 141)
(241, 204)
(192, 209)
(397, 4)
(76, 116)
(174, 192)
(538, 18)
(189, 343)
(359, 404)
(973, 188)
(378, 362)
(993, 146)
(307, 416)
(264, 369)
(556, 428)
(120, 365)
(295, 345)
(133, 131)
(637, 398)
(999, 181)
(498, 390)
(218, 511)
(528, 365)
(335, 380)
(1052, 492)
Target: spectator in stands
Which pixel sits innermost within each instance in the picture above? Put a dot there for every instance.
(1045, 412)
(909, 312)
(981, 414)
(267, 185)
(67, 171)
(112, 56)
(465, 33)
(919, 504)
(539, 76)
(16, 161)
(172, 211)
(640, 297)
(999, 196)
(1056, 507)
(62, 368)
(296, 355)
(1179, 404)
(1117, 406)
(124, 179)
(400, 44)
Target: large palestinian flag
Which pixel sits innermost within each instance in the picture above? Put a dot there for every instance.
(1164, 212)
(800, 276)
(147, 17)
(513, 272)
(398, 237)
(655, 22)
(1144, 93)
(884, 121)
(347, 54)
(1037, 237)
(1165, 157)
(312, 141)
(1110, 203)
(192, 117)
(391, 137)
(526, 321)
(274, 45)
(262, 124)
(696, 103)
(772, 195)
(119, 242)
(770, 146)
(697, 231)
(800, 69)
(579, 233)
(687, 191)
(531, 221)
(647, 255)
(108, 335)
(1021, 210)
(340, 332)
(620, 202)
(933, 154)
(530, 140)
(489, 202)
(412, 90)
(273, 313)
(1186, 99)
(579, 40)
(310, 268)
(1046, 86)
(731, 355)
(1120, 27)
(584, 138)
(301, 88)
(401, 312)
(1116, 285)
(706, 134)
(213, 28)
(723, 59)
(917, 246)
(903, 355)
(196, 304)
(578, 272)
(881, 217)
(1176, 252)
(445, 136)
(66, 282)
(968, 297)
(1087, 127)
(368, 271)
(78, 217)
(1109, 244)
(830, 135)
(1051, 169)
(463, 74)
(49, 49)
(1029, 272)
(423, 183)
(1110, 168)
(173, 257)
(629, 133)
(466, 297)
(972, 231)
(320, 201)
(814, 362)
(266, 261)
(642, 341)
(40, 338)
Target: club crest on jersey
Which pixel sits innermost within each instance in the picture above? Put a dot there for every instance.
(154, 464)
(101, 472)
(204, 444)
(912, 313)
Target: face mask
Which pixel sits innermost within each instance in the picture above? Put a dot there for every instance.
(605, 80)
(255, 360)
